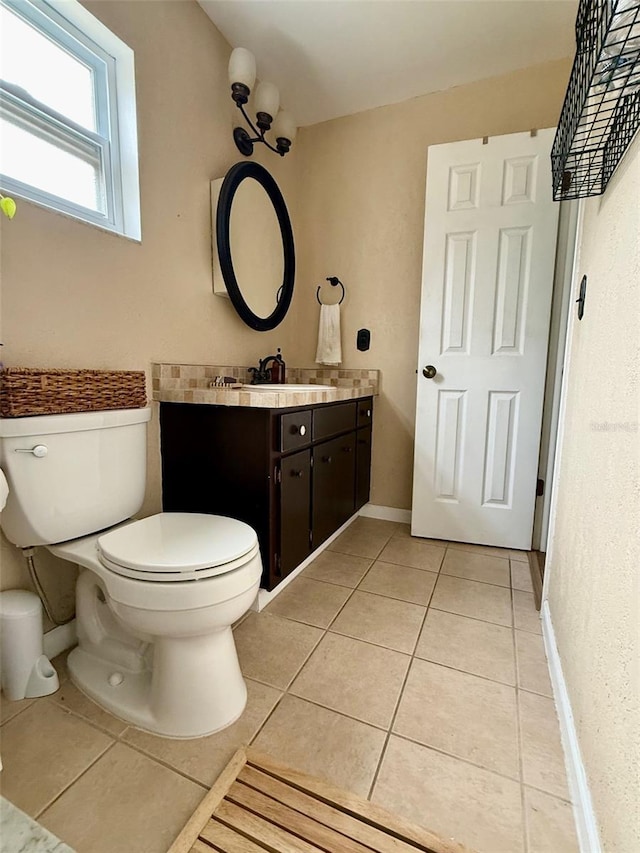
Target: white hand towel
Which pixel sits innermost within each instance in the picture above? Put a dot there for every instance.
(329, 350)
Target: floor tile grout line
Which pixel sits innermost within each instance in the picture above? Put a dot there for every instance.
(519, 735)
(486, 621)
(491, 770)
(461, 758)
(372, 643)
(376, 774)
(368, 557)
(286, 691)
(391, 597)
(530, 787)
(325, 631)
(277, 704)
(413, 657)
(318, 704)
(407, 566)
(466, 672)
(17, 713)
(103, 729)
(347, 600)
(77, 778)
(120, 738)
(414, 654)
(477, 580)
(161, 761)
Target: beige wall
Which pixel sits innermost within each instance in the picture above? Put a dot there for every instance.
(73, 295)
(76, 296)
(362, 188)
(594, 593)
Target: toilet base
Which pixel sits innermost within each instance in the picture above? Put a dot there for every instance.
(169, 699)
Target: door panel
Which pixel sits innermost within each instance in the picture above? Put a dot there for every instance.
(490, 234)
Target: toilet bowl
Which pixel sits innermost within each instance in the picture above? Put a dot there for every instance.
(156, 598)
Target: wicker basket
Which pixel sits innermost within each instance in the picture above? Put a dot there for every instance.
(29, 391)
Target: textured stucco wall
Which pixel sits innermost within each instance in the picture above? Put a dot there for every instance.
(594, 592)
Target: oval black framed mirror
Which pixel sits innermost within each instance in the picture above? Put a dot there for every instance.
(248, 186)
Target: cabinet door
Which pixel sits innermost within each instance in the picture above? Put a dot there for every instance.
(363, 466)
(295, 510)
(333, 486)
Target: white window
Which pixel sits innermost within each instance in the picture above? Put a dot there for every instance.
(68, 136)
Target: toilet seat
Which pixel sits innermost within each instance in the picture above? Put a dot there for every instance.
(177, 546)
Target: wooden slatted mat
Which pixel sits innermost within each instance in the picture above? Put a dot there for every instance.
(259, 805)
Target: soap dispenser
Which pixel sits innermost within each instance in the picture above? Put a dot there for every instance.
(278, 368)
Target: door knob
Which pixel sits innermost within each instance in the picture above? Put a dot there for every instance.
(429, 371)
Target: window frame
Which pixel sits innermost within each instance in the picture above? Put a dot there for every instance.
(114, 143)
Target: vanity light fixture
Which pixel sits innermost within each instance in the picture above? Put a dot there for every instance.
(266, 103)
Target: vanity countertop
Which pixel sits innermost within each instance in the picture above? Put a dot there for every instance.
(21, 834)
(192, 383)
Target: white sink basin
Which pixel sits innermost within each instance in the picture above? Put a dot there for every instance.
(289, 386)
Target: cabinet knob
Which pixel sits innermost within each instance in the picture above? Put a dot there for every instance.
(301, 430)
(297, 474)
(347, 449)
(326, 459)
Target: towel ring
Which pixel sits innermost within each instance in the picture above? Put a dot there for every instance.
(334, 281)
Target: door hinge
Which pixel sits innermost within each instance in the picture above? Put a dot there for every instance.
(310, 538)
(277, 474)
(540, 488)
(278, 562)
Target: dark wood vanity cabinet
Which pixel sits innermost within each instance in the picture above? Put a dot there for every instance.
(295, 475)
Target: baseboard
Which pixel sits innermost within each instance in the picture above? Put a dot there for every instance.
(265, 596)
(60, 639)
(386, 513)
(586, 824)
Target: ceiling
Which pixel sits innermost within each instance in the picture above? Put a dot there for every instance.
(331, 58)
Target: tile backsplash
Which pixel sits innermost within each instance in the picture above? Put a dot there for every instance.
(182, 377)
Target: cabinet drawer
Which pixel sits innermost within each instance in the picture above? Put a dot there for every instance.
(295, 430)
(333, 420)
(365, 411)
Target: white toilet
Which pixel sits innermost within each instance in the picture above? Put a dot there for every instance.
(156, 598)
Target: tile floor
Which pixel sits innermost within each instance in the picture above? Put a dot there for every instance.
(409, 671)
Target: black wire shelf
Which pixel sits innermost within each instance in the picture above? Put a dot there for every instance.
(601, 110)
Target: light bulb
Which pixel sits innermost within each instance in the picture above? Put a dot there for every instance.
(284, 127)
(267, 100)
(242, 67)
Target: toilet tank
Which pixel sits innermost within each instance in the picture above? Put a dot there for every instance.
(88, 472)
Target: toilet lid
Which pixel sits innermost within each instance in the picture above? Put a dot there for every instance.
(177, 543)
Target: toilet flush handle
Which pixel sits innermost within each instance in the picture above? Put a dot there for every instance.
(39, 450)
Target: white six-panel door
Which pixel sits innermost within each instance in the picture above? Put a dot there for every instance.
(489, 249)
